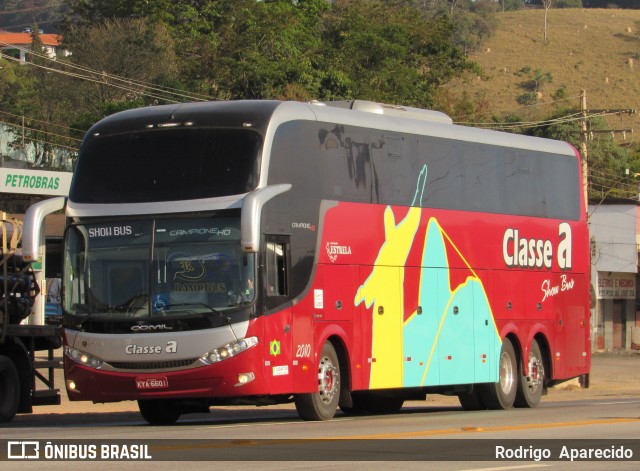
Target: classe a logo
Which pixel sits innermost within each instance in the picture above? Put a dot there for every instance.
(150, 328)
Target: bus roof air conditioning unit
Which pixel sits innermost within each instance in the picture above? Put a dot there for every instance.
(392, 110)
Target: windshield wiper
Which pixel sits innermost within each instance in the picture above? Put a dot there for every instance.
(211, 309)
(85, 307)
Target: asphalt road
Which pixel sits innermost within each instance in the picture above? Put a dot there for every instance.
(437, 429)
(612, 375)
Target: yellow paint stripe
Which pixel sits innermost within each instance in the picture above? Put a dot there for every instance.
(444, 233)
(504, 428)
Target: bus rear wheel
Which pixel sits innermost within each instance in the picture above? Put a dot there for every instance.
(502, 395)
(323, 404)
(531, 386)
(159, 411)
(471, 400)
(9, 389)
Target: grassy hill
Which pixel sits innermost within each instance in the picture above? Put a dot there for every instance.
(591, 49)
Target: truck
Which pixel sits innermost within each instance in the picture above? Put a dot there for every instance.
(27, 348)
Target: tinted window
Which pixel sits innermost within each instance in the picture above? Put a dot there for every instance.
(166, 165)
(369, 165)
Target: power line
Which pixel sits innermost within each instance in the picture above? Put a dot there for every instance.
(90, 79)
(534, 124)
(104, 77)
(516, 110)
(41, 131)
(47, 123)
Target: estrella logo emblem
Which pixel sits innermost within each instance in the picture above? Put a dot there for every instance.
(274, 348)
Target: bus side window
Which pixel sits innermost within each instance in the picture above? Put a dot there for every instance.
(277, 266)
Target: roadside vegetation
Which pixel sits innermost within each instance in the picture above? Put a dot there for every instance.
(500, 64)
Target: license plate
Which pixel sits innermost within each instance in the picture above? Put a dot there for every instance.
(159, 382)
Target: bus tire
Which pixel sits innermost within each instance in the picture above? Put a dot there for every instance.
(531, 386)
(357, 406)
(471, 400)
(9, 389)
(322, 404)
(160, 411)
(502, 395)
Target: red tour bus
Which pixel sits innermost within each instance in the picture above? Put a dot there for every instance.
(344, 255)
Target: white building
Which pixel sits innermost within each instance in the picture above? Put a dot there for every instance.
(615, 322)
(18, 45)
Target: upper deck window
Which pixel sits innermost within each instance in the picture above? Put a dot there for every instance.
(166, 165)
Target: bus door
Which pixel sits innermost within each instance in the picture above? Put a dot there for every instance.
(333, 311)
(277, 343)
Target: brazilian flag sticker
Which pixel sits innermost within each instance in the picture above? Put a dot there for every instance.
(274, 348)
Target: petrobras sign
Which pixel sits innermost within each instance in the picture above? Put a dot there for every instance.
(34, 182)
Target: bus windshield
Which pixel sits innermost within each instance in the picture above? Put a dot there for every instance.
(136, 269)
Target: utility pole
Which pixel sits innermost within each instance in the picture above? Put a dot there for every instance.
(583, 147)
(585, 133)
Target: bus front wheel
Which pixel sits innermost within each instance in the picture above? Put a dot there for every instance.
(501, 395)
(159, 411)
(322, 404)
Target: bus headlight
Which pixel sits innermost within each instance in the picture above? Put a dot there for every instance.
(83, 358)
(229, 350)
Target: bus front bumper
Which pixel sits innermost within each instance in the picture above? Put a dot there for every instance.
(210, 381)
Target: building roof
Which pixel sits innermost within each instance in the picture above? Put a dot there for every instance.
(24, 39)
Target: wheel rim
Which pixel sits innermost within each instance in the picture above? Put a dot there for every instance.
(507, 376)
(328, 380)
(536, 373)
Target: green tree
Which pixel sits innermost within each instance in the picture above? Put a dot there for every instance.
(268, 50)
(87, 12)
(472, 27)
(388, 53)
(38, 96)
(7, 78)
(605, 155)
(535, 79)
(135, 49)
(568, 3)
